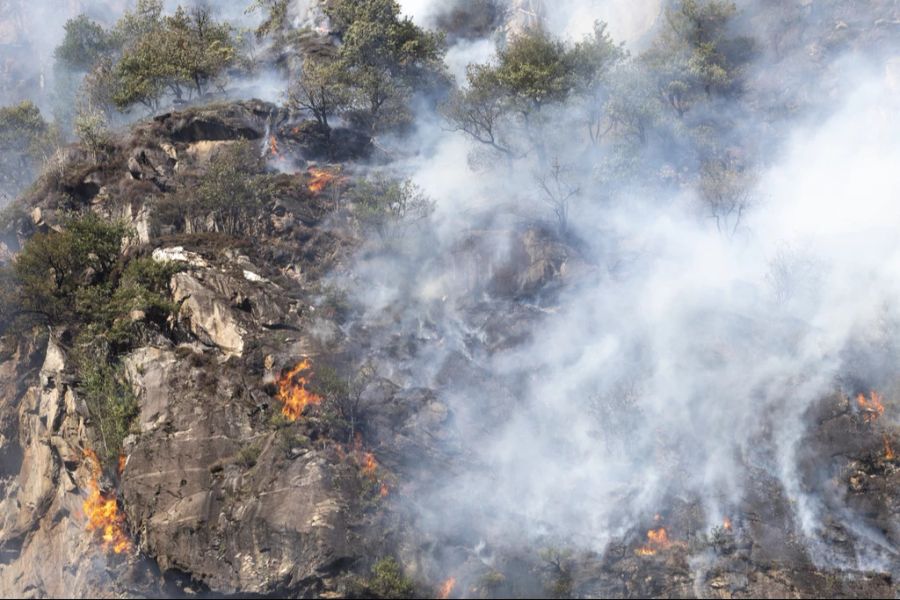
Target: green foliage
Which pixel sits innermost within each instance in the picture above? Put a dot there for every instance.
(76, 278)
(110, 400)
(535, 70)
(93, 133)
(26, 141)
(320, 89)
(695, 56)
(84, 43)
(502, 103)
(62, 274)
(383, 59)
(175, 54)
(275, 15)
(226, 198)
(388, 581)
(389, 207)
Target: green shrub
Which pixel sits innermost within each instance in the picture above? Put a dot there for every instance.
(227, 197)
(110, 400)
(65, 275)
(388, 581)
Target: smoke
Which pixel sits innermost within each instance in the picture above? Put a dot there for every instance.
(675, 358)
(685, 358)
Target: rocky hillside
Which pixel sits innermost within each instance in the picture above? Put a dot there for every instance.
(242, 356)
(218, 491)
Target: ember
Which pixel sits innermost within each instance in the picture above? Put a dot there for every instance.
(292, 391)
(102, 511)
(872, 408)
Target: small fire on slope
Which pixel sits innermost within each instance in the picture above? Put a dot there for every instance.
(102, 511)
(657, 540)
(447, 588)
(292, 391)
(872, 408)
(888, 450)
(273, 145)
(319, 179)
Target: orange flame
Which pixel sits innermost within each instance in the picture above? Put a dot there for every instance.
(888, 450)
(871, 408)
(320, 178)
(657, 540)
(726, 524)
(123, 460)
(447, 588)
(292, 391)
(273, 145)
(384, 491)
(102, 511)
(370, 465)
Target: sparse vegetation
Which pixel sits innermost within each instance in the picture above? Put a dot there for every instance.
(388, 207)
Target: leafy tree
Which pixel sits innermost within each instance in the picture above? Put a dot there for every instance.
(384, 58)
(179, 53)
(503, 102)
(84, 43)
(61, 275)
(320, 89)
(695, 56)
(535, 70)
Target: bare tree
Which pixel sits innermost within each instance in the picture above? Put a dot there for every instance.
(558, 191)
(726, 189)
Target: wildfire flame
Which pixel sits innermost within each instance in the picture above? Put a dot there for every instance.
(888, 450)
(872, 408)
(102, 511)
(319, 179)
(292, 391)
(657, 540)
(273, 145)
(447, 588)
(384, 491)
(726, 524)
(369, 465)
(123, 460)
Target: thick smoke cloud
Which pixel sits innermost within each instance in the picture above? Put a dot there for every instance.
(687, 357)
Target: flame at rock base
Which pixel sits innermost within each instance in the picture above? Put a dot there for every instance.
(102, 512)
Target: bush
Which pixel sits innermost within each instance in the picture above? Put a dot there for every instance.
(64, 275)
(389, 207)
(226, 198)
(110, 400)
(388, 581)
